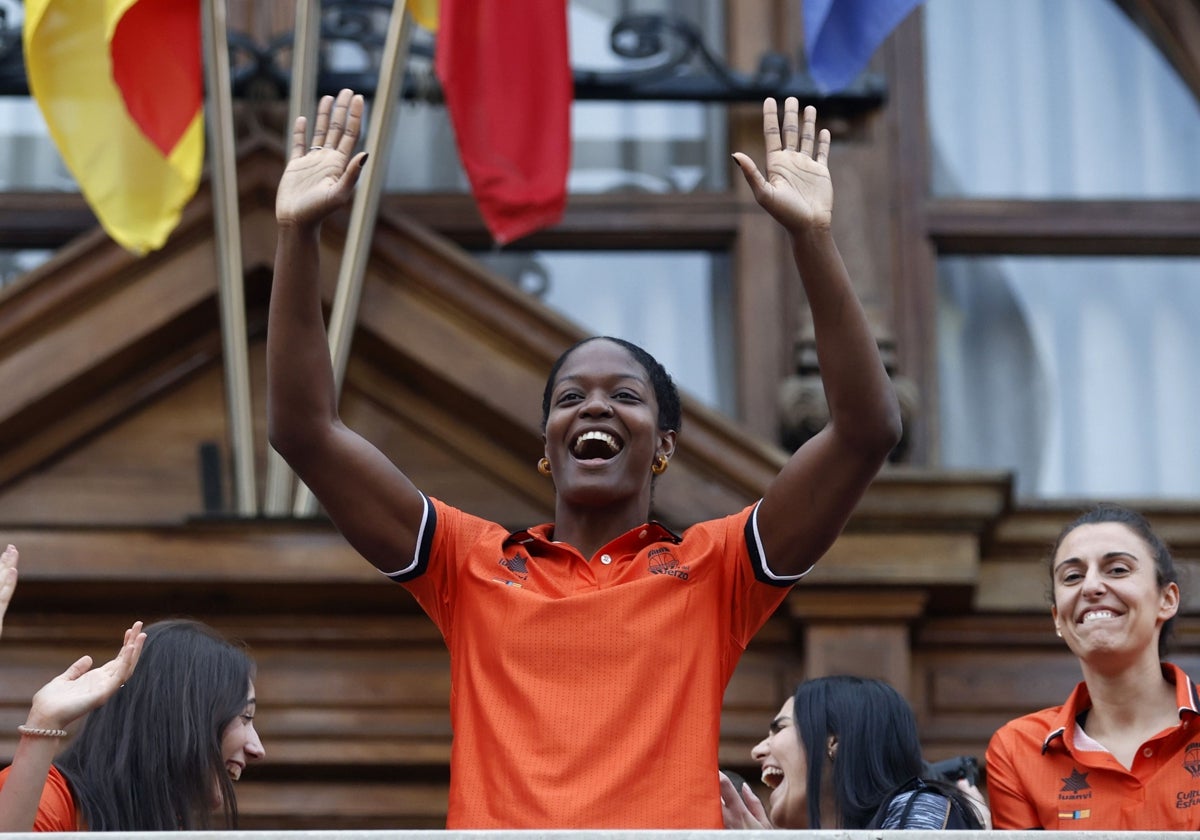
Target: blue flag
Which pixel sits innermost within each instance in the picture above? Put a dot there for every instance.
(841, 35)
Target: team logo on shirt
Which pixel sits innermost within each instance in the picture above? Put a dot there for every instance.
(517, 565)
(1074, 787)
(1191, 759)
(663, 563)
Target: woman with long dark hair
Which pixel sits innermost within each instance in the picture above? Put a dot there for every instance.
(161, 754)
(843, 753)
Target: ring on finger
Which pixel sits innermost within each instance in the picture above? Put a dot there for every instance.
(314, 148)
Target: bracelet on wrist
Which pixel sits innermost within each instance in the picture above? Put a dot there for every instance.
(37, 732)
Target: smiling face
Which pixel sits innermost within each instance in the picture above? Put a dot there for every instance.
(784, 771)
(1108, 604)
(602, 434)
(240, 744)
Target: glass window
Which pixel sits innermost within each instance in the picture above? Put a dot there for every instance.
(29, 160)
(1054, 99)
(1078, 373)
(15, 263)
(675, 304)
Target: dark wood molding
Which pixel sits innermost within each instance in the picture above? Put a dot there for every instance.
(1173, 26)
(1075, 228)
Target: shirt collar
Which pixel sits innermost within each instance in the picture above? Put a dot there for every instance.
(1080, 701)
(540, 534)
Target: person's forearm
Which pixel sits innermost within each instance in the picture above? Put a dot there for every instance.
(301, 396)
(862, 401)
(22, 792)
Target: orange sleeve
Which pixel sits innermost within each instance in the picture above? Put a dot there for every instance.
(56, 809)
(1011, 806)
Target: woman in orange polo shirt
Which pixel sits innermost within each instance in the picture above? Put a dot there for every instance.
(572, 641)
(1123, 753)
(160, 748)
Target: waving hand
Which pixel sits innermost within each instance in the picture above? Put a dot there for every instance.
(797, 190)
(320, 176)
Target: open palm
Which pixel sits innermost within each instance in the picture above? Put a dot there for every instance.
(797, 190)
(320, 177)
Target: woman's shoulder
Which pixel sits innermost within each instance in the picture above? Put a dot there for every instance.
(922, 807)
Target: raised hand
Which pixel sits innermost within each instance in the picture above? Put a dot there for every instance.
(741, 809)
(8, 579)
(321, 175)
(80, 688)
(797, 190)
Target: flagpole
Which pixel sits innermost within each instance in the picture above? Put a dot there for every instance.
(363, 213)
(305, 64)
(229, 256)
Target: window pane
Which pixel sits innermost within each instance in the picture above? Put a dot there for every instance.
(675, 304)
(29, 160)
(15, 264)
(1054, 99)
(1078, 373)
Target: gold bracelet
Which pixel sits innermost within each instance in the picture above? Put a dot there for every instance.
(41, 733)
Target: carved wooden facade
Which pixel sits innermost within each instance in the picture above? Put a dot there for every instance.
(110, 385)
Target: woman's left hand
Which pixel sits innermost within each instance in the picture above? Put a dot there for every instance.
(797, 190)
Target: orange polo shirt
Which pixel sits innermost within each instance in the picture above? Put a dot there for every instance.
(1040, 773)
(588, 694)
(56, 810)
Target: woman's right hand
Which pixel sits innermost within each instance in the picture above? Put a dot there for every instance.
(742, 809)
(80, 688)
(321, 175)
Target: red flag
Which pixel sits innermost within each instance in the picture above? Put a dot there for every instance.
(506, 73)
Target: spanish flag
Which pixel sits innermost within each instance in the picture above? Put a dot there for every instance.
(120, 84)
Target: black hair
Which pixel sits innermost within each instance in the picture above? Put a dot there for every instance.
(1164, 566)
(878, 751)
(150, 758)
(670, 413)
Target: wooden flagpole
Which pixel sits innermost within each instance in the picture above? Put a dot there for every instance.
(365, 208)
(305, 65)
(226, 222)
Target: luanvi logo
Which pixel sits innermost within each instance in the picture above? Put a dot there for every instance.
(516, 565)
(1074, 785)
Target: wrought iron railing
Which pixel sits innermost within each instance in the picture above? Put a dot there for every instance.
(665, 58)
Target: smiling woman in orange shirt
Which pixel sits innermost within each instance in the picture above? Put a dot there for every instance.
(1123, 753)
(572, 641)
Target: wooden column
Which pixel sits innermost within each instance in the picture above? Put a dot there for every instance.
(860, 632)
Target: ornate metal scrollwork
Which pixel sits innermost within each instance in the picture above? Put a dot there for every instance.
(668, 58)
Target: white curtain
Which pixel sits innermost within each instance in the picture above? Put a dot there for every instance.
(1081, 375)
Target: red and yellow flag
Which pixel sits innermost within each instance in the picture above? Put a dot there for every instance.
(120, 84)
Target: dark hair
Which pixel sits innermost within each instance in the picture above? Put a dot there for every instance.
(1164, 566)
(670, 414)
(878, 751)
(150, 758)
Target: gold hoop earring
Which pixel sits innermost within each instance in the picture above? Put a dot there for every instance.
(544, 466)
(660, 465)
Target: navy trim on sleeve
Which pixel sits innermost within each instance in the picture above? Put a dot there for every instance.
(758, 557)
(420, 561)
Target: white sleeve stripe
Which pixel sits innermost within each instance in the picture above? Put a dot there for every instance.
(761, 555)
(418, 543)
